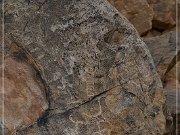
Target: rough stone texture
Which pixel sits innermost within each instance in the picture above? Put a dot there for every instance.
(104, 115)
(138, 12)
(164, 13)
(97, 83)
(24, 97)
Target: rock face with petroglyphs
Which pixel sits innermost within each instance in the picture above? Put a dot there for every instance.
(99, 75)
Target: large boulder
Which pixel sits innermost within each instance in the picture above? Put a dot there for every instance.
(99, 75)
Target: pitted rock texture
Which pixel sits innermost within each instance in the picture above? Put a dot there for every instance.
(105, 115)
(24, 94)
(138, 12)
(97, 83)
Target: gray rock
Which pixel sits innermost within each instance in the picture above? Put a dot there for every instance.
(163, 50)
(96, 85)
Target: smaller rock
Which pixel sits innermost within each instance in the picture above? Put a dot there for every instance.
(164, 13)
(152, 33)
(163, 50)
(138, 12)
(24, 97)
(172, 91)
(171, 85)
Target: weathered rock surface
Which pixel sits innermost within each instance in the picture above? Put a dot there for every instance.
(138, 12)
(164, 13)
(24, 97)
(96, 83)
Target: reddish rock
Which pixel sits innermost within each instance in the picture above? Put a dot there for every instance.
(138, 12)
(24, 95)
(164, 13)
